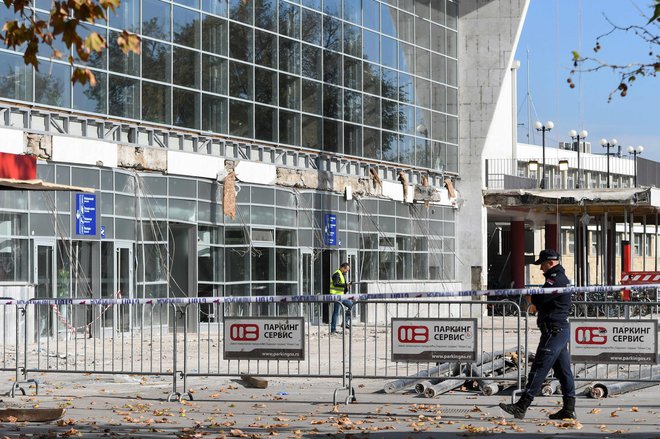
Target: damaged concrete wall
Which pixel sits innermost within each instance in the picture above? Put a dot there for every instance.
(142, 159)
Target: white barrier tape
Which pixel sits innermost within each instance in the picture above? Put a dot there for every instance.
(329, 297)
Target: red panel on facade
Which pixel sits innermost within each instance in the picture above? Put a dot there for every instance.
(18, 167)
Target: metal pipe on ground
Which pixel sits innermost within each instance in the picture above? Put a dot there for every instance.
(421, 387)
(604, 390)
(400, 384)
(550, 388)
(591, 372)
(444, 386)
(493, 387)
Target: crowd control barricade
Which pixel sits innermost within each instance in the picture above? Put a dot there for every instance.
(99, 336)
(614, 346)
(262, 339)
(410, 340)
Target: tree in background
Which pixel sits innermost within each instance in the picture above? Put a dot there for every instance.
(628, 73)
(68, 23)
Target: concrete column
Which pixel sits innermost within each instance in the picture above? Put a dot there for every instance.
(517, 246)
(551, 237)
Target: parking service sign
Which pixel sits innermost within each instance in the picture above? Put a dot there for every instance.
(614, 341)
(264, 338)
(434, 339)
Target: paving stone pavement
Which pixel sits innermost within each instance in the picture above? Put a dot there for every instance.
(130, 406)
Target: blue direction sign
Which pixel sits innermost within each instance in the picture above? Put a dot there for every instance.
(86, 216)
(330, 229)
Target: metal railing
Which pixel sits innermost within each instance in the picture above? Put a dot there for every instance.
(166, 338)
(559, 173)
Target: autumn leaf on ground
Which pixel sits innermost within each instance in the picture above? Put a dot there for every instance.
(613, 414)
(235, 432)
(594, 411)
(71, 433)
(634, 409)
(68, 421)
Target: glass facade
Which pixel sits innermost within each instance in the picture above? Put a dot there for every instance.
(259, 252)
(373, 79)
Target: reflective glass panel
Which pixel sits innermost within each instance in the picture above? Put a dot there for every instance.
(214, 74)
(186, 27)
(156, 19)
(289, 127)
(265, 49)
(52, 84)
(240, 118)
(240, 42)
(265, 86)
(265, 12)
(289, 19)
(266, 129)
(124, 97)
(88, 98)
(240, 80)
(187, 65)
(155, 102)
(214, 114)
(311, 27)
(214, 35)
(156, 60)
(185, 106)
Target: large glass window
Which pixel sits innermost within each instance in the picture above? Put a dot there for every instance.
(214, 114)
(185, 106)
(265, 49)
(124, 97)
(156, 19)
(156, 102)
(240, 42)
(92, 99)
(265, 12)
(289, 19)
(186, 72)
(214, 74)
(186, 27)
(214, 35)
(240, 118)
(52, 84)
(266, 129)
(156, 60)
(265, 86)
(240, 80)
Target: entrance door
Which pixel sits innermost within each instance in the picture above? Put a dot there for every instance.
(44, 278)
(123, 284)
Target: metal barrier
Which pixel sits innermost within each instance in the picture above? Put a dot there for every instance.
(326, 355)
(114, 339)
(176, 338)
(370, 357)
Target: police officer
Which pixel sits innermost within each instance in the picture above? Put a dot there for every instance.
(552, 351)
(338, 285)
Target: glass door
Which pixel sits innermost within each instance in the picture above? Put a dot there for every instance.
(44, 279)
(123, 285)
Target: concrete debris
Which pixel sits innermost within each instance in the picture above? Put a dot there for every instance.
(40, 145)
(142, 159)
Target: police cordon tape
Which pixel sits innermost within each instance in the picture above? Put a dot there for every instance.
(329, 297)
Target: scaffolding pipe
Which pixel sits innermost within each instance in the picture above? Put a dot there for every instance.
(444, 386)
(400, 384)
(604, 390)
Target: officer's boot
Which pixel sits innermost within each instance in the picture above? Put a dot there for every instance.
(568, 411)
(518, 409)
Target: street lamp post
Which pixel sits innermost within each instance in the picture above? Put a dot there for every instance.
(608, 144)
(575, 135)
(635, 152)
(543, 128)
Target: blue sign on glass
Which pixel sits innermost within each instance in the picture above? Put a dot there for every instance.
(86, 215)
(330, 229)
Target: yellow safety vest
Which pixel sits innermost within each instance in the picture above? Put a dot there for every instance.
(333, 288)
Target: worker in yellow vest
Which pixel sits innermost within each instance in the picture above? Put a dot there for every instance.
(338, 285)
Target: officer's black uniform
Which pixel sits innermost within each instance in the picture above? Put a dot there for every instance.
(552, 351)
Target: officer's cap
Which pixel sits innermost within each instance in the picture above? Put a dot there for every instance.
(547, 255)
